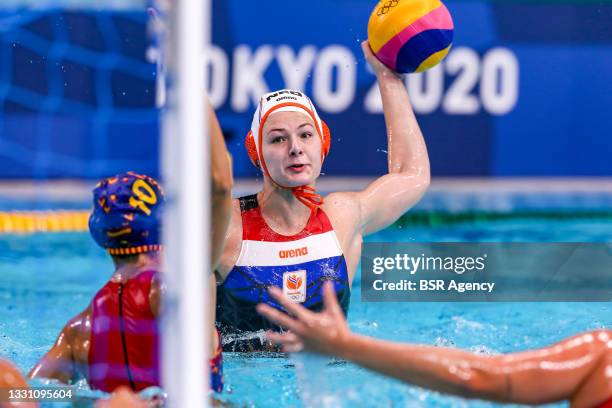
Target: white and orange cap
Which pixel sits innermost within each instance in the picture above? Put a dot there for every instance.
(286, 100)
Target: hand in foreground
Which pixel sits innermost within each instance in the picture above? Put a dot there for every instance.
(123, 397)
(322, 333)
(380, 69)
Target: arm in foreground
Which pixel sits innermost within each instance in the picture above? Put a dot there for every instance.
(409, 174)
(558, 372)
(123, 397)
(11, 378)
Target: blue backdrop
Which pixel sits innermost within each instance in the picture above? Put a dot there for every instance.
(526, 89)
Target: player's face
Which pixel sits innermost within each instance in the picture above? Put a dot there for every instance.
(291, 148)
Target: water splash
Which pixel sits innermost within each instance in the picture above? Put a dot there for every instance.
(312, 382)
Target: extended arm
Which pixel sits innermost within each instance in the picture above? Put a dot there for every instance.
(558, 372)
(532, 377)
(408, 177)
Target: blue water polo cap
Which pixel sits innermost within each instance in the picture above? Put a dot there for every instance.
(126, 218)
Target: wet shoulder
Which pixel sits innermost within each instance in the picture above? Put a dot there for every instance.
(343, 206)
(80, 327)
(344, 213)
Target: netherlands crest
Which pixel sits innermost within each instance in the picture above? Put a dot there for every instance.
(294, 285)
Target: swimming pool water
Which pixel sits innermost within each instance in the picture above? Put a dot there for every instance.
(47, 278)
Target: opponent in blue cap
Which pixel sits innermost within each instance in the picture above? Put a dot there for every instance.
(126, 218)
(115, 341)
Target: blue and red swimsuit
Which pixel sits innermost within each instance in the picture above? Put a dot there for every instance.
(298, 264)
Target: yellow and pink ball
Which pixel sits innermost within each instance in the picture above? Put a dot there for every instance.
(410, 35)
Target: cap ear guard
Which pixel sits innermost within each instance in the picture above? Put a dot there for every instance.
(249, 143)
(326, 139)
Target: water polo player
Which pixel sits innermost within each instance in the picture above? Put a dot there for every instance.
(288, 236)
(114, 342)
(577, 369)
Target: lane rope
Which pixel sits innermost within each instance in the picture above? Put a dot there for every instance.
(30, 222)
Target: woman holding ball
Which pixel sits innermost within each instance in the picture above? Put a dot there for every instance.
(288, 236)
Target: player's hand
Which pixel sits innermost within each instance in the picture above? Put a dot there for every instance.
(379, 68)
(322, 333)
(123, 397)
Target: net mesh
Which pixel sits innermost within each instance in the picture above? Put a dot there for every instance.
(77, 92)
(21, 5)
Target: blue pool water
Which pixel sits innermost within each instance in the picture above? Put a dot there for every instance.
(47, 278)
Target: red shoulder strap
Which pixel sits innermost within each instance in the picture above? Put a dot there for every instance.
(255, 228)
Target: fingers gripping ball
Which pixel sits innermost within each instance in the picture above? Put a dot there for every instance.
(410, 35)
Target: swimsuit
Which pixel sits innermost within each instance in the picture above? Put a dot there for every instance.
(299, 264)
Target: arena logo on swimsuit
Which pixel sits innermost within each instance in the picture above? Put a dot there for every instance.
(292, 253)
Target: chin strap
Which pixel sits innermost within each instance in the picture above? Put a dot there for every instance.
(307, 196)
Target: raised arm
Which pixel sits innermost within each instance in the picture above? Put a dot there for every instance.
(60, 362)
(575, 369)
(222, 182)
(221, 191)
(408, 176)
(221, 198)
